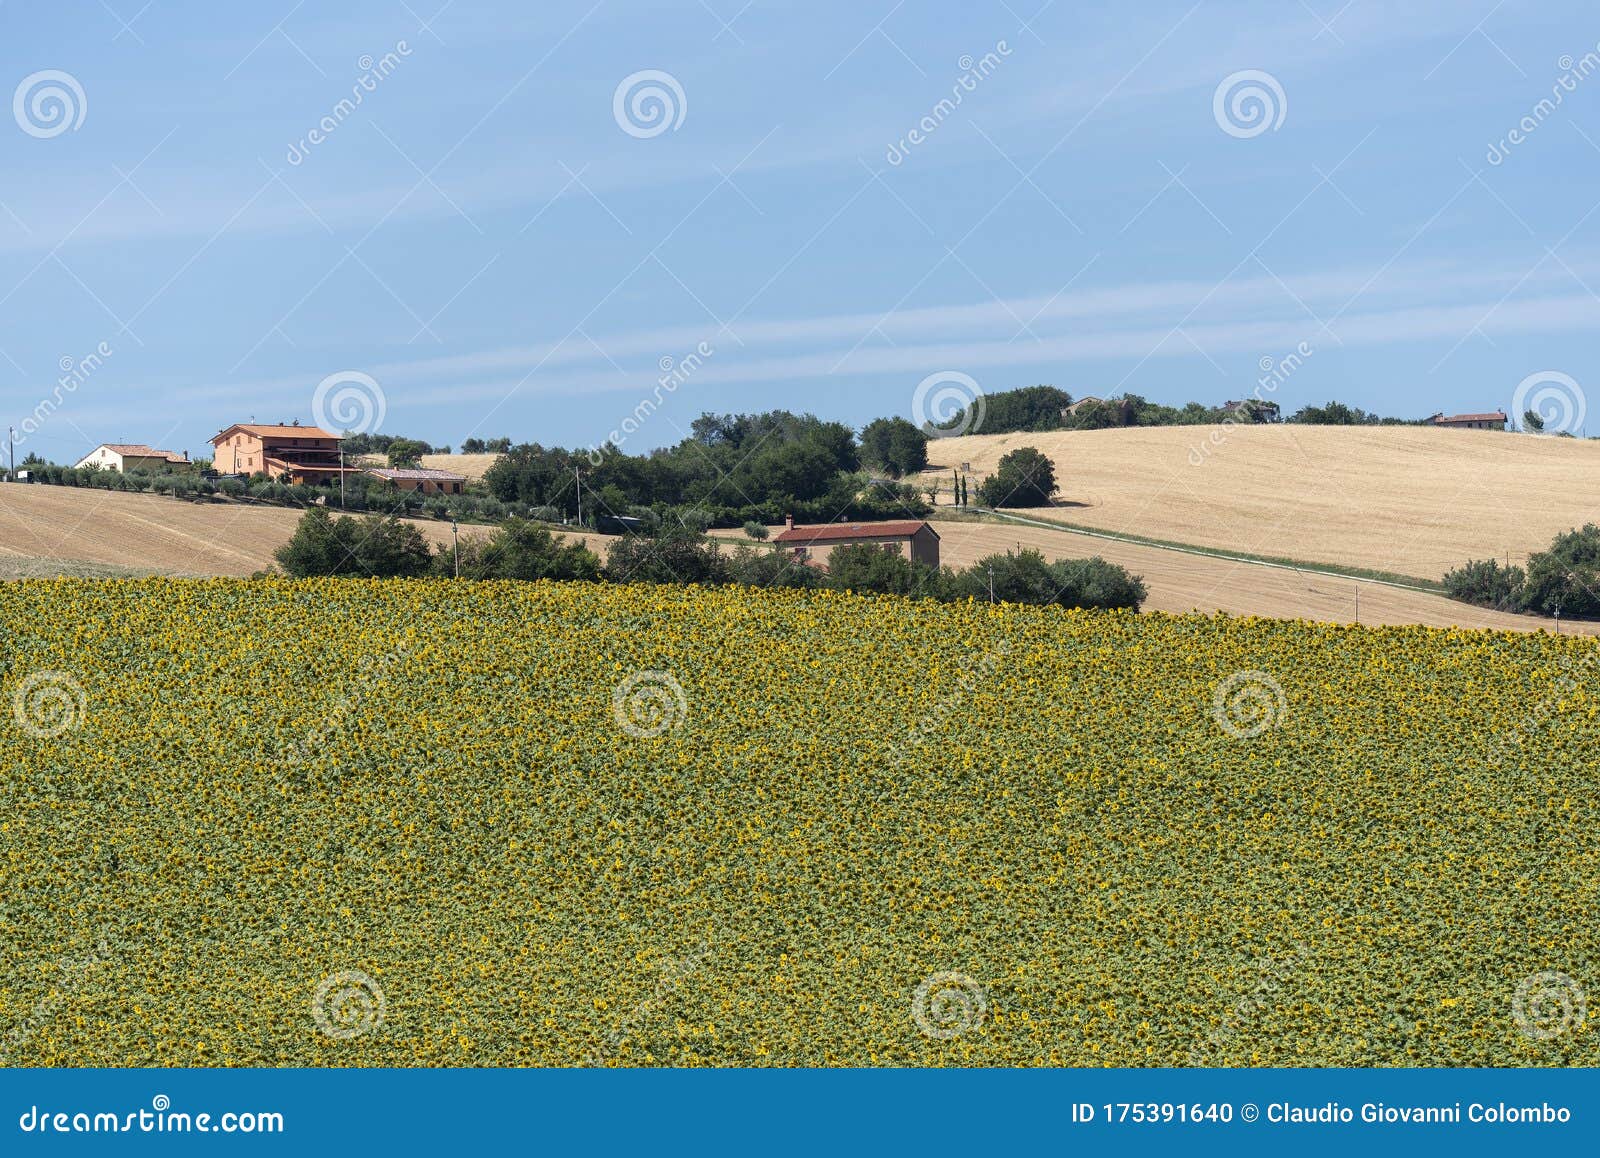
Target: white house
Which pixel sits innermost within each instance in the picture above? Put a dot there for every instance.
(126, 456)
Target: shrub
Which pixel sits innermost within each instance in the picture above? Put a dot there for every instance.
(1567, 576)
(1486, 583)
(867, 567)
(372, 546)
(521, 550)
(675, 555)
(1025, 478)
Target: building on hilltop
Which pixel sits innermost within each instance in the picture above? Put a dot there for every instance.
(913, 538)
(126, 456)
(1495, 420)
(429, 482)
(299, 454)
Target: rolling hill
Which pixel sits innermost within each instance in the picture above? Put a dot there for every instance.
(1411, 500)
(47, 530)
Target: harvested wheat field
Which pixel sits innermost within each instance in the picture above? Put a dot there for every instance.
(1412, 500)
(1181, 582)
(472, 467)
(68, 530)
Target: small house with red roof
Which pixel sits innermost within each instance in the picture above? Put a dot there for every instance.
(913, 538)
(1493, 420)
(126, 456)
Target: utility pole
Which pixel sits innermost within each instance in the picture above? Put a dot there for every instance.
(1558, 618)
(991, 583)
(12, 474)
(341, 475)
(1358, 603)
(454, 534)
(576, 477)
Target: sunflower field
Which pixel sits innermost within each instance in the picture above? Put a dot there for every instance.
(428, 823)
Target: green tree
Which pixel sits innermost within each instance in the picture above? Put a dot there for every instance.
(316, 547)
(770, 566)
(676, 554)
(1026, 577)
(519, 549)
(1025, 478)
(895, 446)
(1567, 576)
(1486, 583)
(374, 545)
(1532, 421)
(870, 568)
(407, 452)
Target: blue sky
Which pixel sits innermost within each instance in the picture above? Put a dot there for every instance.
(486, 240)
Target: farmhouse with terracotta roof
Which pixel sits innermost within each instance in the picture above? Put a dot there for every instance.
(302, 454)
(429, 482)
(126, 456)
(1494, 420)
(913, 538)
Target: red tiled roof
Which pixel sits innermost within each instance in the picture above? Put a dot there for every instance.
(415, 474)
(843, 532)
(275, 430)
(1496, 416)
(140, 450)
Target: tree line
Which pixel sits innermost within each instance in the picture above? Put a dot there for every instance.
(1563, 580)
(376, 546)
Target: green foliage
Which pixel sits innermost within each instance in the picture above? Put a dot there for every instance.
(1024, 478)
(1030, 408)
(1486, 583)
(365, 443)
(756, 531)
(406, 451)
(676, 554)
(486, 446)
(374, 546)
(894, 445)
(1334, 414)
(1026, 577)
(868, 567)
(1567, 576)
(519, 549)
(770, 566)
